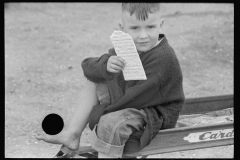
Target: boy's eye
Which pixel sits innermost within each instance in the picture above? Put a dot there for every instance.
(151, 27)
(134, 28)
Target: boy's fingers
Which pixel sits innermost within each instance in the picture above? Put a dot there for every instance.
(113, 70)
(115, 64)
(117, 59)
(116, 67)
(121, 60)
(118, 63)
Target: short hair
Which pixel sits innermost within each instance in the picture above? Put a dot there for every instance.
(141, 9)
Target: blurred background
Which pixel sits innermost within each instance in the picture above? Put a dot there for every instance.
(45, 44)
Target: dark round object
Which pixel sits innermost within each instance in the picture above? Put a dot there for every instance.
(52, 124)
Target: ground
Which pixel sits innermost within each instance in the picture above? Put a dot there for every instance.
(45, 44)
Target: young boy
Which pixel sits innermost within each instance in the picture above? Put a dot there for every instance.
(125, 116)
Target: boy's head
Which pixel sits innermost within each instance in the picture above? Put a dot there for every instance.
(143, 22)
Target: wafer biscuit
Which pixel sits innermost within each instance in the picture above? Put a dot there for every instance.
(126, 49)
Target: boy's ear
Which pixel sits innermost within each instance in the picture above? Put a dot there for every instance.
(161, 22)
(120, 26)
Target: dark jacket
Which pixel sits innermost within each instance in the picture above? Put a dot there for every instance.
(161, 95)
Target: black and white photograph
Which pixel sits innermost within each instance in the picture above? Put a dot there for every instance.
(119, 80)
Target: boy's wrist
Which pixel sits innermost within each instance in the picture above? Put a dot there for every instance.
(109, 75)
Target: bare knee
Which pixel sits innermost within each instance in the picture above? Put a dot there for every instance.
(90, 84)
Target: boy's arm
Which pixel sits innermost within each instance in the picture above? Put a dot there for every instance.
(95, 68)
(143, 94)
(139, 96)
(162, 87)
(163, 84)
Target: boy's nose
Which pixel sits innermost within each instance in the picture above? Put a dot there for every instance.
(143, 34)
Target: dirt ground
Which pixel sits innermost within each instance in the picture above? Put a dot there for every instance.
(45, 44)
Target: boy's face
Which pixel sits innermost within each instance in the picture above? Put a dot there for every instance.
(144, 33)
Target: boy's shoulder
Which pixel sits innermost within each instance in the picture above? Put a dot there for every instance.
(163, 51)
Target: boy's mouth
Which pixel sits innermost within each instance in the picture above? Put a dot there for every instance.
(142, 43)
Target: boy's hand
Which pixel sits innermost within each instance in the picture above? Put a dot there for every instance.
(115, 64)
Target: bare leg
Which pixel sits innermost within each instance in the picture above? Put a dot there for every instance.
(70, 137)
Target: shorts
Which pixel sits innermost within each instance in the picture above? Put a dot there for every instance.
(117, 128)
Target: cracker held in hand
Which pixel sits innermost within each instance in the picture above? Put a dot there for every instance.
(125, 48)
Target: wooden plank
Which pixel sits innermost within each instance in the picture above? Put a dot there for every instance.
(207, 104)
(172, 140)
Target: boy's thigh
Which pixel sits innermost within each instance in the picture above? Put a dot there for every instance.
(115, 128)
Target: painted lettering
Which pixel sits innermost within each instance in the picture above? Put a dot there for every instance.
(230, 134)
(210, 135)
(213, 136)
(222, 135)
(202, 137)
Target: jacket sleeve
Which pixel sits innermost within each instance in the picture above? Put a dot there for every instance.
(143, 94)
(163, 85)
(95, 68)
(139, 96)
